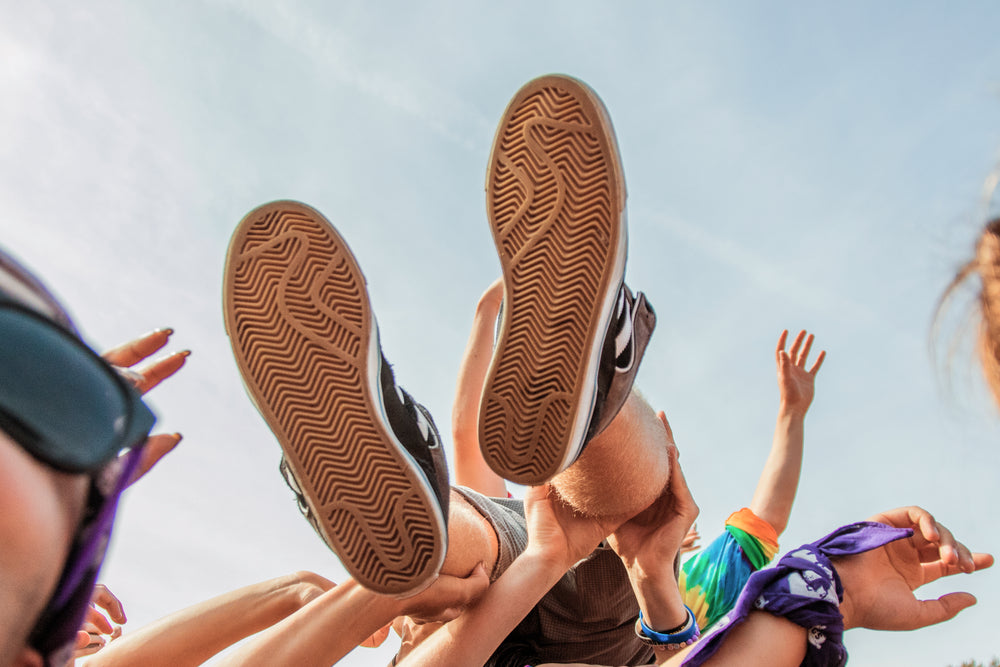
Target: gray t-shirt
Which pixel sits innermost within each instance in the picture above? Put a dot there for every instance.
(588, 616)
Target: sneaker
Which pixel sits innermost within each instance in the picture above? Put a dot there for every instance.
(363, 458)
(555, 197)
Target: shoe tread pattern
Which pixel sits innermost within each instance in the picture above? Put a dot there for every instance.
(300, 323)
(554, 199)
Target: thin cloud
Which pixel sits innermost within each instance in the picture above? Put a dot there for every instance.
(324, 45)
(762, 271)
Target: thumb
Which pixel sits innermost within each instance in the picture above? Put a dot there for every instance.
(944, 608)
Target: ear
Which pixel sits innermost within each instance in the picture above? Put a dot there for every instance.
(28, 657)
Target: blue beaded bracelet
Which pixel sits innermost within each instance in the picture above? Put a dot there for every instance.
(685, 636)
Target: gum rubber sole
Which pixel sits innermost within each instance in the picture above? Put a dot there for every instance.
(301, 327)
(555, 198)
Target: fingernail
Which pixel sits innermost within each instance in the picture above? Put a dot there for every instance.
(178, 437)
(185, 353)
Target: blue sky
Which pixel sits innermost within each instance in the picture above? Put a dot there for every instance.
(788, 165)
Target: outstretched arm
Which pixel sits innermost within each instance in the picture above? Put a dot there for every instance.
(879, 587)
(471, 469)
(332, 625)
(775, 492)
(303, 619)
(193, 635)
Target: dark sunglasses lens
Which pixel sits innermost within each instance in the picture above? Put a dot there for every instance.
(59, 401)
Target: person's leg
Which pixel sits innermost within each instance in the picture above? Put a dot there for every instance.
(624, 468)
(364, 459)
(490, 531)
(555, 197)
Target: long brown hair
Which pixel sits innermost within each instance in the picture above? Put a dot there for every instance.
(984, 267)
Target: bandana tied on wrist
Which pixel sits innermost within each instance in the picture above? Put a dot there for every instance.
(804, 588)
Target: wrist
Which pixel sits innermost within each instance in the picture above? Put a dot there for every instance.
(659, 599)
(546, 561)
(672, 639)
(846, 606)
(791, 413)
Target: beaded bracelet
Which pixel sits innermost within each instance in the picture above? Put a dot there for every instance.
(683, 636)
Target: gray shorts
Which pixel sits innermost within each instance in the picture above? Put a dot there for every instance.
(588, 616)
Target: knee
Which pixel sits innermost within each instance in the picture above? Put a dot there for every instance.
(622, 470)
(471, 539)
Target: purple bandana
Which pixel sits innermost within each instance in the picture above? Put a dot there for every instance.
(55, 634)
(804, 588)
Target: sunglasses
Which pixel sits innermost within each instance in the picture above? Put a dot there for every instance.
(61, 402)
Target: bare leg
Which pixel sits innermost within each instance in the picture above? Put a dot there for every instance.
(624, 468)
(472, 540)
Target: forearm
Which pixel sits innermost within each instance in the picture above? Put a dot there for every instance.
(194, 634)
(470, 468)
(472, 638)
(322, 632)
(762, 640)
(779, 480)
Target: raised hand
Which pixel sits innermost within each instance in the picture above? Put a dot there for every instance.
(879, 585)
(129, 354)
(690, 542)
(97, 628)
(796, 385)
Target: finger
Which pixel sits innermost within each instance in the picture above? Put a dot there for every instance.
(794, 352)
(109, 602)
(929, 528)
(965, 561)
(87, 644)
(161, 369)
(92, 629)
(819, 362)
(97, 623)
(930, 612)
(156, 447)
(980, 561)
(461, 591)
(116, 633)
(677, 485)
(666, 424)
(801, 361)
(917, 518)
(135, 351)
(781, 344)
(82, 639)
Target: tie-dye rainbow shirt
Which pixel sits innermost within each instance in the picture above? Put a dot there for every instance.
(712, 579)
